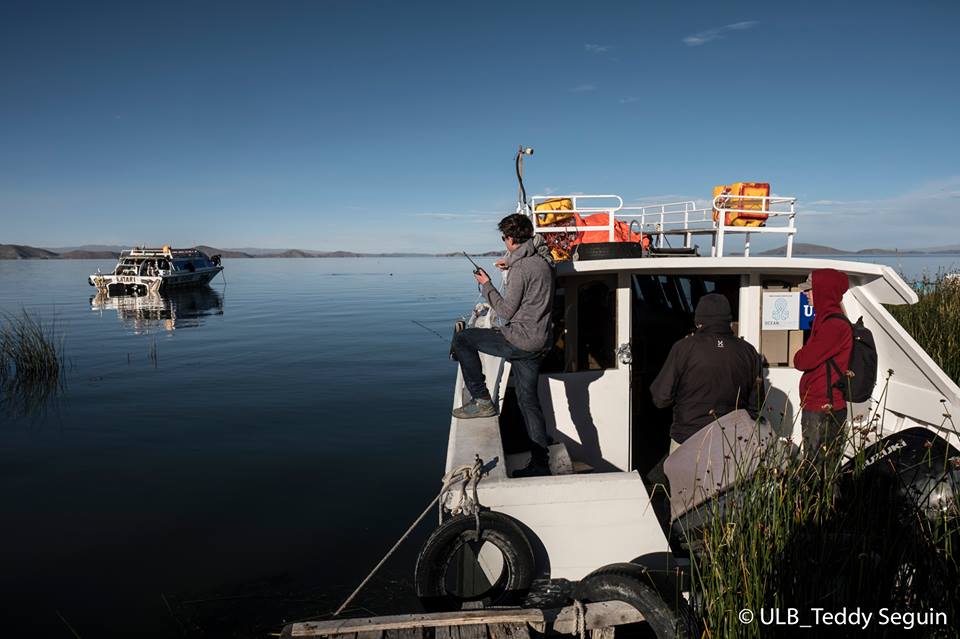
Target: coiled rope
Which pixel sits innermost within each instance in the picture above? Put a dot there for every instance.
(466, 504)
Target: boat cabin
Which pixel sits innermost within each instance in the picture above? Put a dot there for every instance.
(146, 262)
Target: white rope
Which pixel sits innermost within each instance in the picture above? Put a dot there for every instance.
(468, 477)
(580, 619)
(463, 474)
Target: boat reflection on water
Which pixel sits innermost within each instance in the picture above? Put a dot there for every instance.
(167, 311)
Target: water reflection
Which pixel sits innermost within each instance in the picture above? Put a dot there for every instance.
(165, 312)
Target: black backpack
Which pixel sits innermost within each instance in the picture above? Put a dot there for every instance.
(863, 364)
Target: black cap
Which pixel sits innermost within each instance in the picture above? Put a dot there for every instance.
(712, 308)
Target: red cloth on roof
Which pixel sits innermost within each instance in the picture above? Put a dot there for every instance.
(562, 244)
(829, 338)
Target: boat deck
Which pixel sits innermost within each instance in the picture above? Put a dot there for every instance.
(599, 619)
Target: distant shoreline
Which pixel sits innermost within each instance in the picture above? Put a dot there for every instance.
(24, 252)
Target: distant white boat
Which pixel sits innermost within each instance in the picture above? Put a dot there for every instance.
(141, 271)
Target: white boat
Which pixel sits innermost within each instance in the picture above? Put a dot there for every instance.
(617, 318)
(142, 271)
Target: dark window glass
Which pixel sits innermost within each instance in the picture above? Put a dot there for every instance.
(596, 326)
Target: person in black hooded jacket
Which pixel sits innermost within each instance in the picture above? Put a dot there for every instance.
(708, 373)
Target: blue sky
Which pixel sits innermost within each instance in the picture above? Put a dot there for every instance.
(387, 125)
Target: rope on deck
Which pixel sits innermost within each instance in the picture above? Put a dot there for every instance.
(467, 474)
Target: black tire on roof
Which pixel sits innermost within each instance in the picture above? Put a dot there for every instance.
(607, 251)
(632, 584)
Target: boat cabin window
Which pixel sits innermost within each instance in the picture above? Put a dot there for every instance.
(585, 325)
(126, 267)
(596, 325)
(184, 265)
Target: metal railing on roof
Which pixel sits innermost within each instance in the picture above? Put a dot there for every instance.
(160, 252)
(683, 219)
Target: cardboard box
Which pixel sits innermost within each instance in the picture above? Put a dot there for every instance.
(779, 346)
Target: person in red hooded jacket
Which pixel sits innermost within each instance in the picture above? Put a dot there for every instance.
(824, 408)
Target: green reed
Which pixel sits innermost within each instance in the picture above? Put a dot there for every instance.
(934, 319)
(31, 362)
(802, 535)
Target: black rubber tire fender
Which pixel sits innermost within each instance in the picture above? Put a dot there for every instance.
(607, 251)
(631, 584)
(444, 543)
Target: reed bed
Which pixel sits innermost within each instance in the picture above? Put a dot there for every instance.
(934, 321)
(797, 535)
(31, 362)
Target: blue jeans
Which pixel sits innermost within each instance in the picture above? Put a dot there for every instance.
(525, 367)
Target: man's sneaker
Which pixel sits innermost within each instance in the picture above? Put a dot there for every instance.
(533, 469)
(476, 408)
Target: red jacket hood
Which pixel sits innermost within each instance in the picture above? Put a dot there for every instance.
(828, 289)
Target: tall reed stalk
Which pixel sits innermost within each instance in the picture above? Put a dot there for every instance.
(934, 321)
(800, 535)
(31, 362)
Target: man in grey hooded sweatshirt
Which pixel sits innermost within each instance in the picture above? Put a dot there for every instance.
(525, 308)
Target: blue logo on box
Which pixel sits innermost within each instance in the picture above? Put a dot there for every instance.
(806, 313)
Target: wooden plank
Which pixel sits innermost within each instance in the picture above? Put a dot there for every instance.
(598, 615)
(460, 625)
(434, 620)
(603, 633)
(410, 633)
(508, 631)
(473, 631)
(370, 634)
(446, 632)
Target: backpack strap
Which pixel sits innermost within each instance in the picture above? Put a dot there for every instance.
(830, 363)
(839, 316)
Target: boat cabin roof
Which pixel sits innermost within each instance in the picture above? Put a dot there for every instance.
(885, 285)
(165, 252)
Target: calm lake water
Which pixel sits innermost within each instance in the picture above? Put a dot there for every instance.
(237, 457)
(261, 450)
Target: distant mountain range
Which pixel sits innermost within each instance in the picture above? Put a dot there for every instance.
(800, 248)
(101, 252)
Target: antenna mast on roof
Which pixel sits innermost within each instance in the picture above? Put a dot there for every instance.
(522, 206)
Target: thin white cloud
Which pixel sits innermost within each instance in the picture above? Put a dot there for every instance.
(463, 216)
(583, 88)
(709, 35)
(630, 99)
(920, 218)
(664, 198)
(441, 216)
(597, 48)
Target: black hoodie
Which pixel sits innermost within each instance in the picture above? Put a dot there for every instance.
(709, 373)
